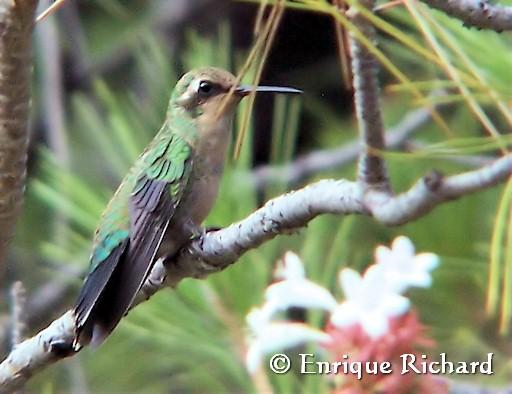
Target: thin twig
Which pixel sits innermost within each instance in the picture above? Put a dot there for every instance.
(478, 13)
(45, 303)
(51, 87)
(371, 168)
(18, 322)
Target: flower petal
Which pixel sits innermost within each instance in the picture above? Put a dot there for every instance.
(395, 305)
(350, 281)
(279, 336)
(403, 269)
(290, 268)
(345, 314)
(375, 325)
(419, 279)
(427, 261)
(253, 357)
(374, 275)
(403, 246)
(383, 254)
(258, 318)
(299, 293)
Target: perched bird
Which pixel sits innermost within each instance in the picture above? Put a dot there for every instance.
(165, 197)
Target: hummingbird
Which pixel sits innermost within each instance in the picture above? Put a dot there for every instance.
(161, 203)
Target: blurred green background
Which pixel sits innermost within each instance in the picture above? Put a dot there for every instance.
(103, 74)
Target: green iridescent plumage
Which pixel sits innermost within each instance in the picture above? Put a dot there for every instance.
(164, 160)
(165, 165)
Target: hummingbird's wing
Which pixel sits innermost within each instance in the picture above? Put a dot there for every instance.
(154, 196)
(110, 244)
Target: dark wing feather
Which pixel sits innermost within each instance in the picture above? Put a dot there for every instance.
(156, 195)
(96, 283)
(145, 237)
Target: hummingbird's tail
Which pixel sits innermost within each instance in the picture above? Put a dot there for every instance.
(110, 289)
(91, 309)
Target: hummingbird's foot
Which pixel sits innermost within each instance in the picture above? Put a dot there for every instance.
(200, 232)
(194, 230)
(197, 232)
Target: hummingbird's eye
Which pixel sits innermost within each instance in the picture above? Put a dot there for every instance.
(205, 88)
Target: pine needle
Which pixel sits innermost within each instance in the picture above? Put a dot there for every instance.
(496, 253)
(50, 10)
(268, 38)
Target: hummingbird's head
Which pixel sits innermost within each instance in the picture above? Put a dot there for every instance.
(205, 91)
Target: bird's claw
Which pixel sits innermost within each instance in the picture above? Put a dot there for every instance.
(198, 232)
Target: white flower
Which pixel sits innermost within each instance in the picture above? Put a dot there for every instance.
(259, 318)
(279, 336)
(368, 301)
(403, 268)
(295, 290)
(290, 267)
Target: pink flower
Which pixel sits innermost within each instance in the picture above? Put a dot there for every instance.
(406, 335)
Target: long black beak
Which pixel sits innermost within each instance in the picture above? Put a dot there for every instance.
(244, 90)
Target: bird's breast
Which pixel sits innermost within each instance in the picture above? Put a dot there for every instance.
(207, 169)
(209, 154)
(195, 205)
(202, 193)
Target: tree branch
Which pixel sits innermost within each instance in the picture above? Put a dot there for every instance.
(216, 250)
(371, 167)
(433, 190)
(283, 214)
(476, 13)
(16, 23)
(35, 353)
